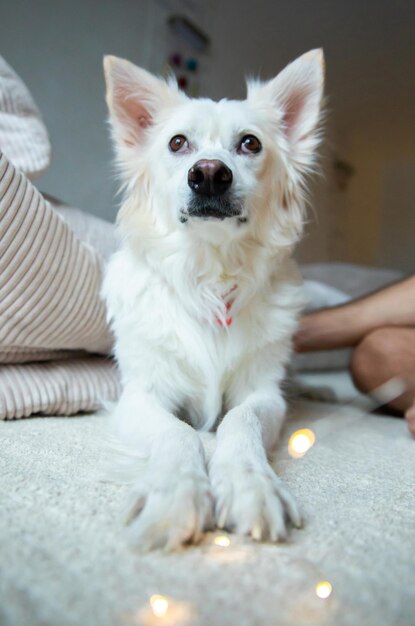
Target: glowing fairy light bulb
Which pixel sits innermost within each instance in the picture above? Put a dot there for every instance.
(159, 605)
(167, 611)
(222, 540)
(324, 589)
(300, 442)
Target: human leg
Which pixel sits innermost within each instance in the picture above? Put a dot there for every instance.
(346, 325)
(383, 354)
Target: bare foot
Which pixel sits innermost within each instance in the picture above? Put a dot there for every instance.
(410, 418)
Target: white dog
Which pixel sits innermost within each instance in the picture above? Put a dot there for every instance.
(203, 296)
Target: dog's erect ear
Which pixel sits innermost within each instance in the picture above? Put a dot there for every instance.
(297, 94)
(134, 96)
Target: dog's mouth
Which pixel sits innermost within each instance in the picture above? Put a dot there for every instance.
(211, 208)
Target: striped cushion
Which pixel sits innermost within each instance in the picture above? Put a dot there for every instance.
(23, 136)
(57, 388)
(49, 280)
(49, 308)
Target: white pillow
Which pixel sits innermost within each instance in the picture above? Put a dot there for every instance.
(320, 295)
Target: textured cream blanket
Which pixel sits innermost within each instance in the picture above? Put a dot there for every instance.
(66, 562)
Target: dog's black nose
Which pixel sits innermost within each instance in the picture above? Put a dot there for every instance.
(209, 177)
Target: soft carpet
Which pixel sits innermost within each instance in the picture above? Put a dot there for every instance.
(65, 560)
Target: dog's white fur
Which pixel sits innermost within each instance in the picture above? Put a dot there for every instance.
(167, 290)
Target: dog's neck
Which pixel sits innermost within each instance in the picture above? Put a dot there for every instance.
(214, 282)
(201, 263)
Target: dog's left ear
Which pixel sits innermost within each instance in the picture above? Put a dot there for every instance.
(296, 93)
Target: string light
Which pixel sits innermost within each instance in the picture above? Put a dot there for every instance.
(324, 589)
(159, 605)
(222, 540)
(300, 442)
(162, 611)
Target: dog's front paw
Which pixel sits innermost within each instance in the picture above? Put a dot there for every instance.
(253, 501)
(169, 509)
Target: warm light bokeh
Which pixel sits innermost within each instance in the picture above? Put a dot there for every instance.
(324, 589)
(159, 605)
(222, 540)
(300, 442)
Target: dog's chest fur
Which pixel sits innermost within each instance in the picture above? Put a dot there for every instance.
(168, 339)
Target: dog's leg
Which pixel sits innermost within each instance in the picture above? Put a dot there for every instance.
(171, 499)
(250, 497)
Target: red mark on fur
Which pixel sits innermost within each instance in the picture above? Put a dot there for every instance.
(228, 320)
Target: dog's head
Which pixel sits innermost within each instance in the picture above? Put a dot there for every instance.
(216, 169)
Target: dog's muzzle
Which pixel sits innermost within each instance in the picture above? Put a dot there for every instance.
(210, 180)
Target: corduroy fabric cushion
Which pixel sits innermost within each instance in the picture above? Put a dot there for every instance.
(57, 387)
(23, 135)
(50, 308)
(49, 279)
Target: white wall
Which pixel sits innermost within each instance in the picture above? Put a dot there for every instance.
(57, 47)
(397, 230)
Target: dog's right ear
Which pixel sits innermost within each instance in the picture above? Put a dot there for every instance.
(134, 97)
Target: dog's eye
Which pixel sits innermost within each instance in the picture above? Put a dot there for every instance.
(178, 143)
(250, 144)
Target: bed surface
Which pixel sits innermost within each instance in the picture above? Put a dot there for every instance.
(66, 561)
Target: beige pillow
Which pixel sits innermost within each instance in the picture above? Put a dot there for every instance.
(51, 314)
(57, 388)
(49, 279)
(50, 309)
(23, 136)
